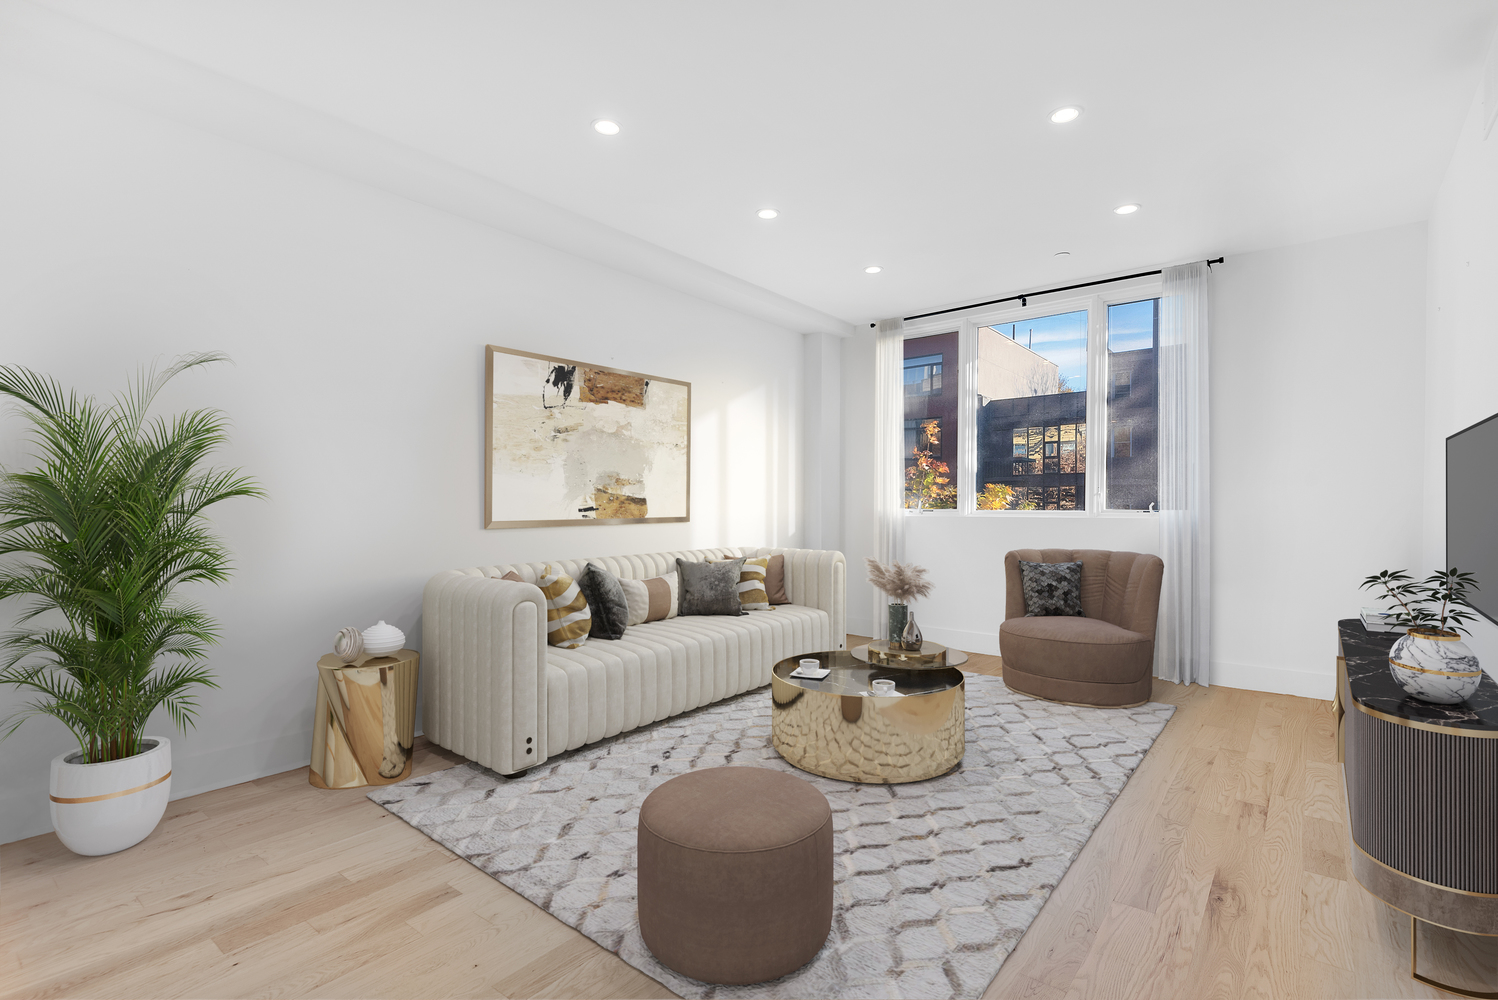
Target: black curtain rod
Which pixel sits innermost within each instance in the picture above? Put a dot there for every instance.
(1023, 299)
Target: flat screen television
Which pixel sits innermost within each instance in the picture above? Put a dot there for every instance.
(1472, 510)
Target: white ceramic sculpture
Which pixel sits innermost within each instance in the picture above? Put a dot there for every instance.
(382, 639)
(348, 644)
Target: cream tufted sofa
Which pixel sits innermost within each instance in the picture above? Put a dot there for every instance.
(496, 693)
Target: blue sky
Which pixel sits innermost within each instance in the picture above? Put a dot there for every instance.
(1062, 338)
(1131, 326)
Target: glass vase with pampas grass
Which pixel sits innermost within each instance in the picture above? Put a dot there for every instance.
(901, 583)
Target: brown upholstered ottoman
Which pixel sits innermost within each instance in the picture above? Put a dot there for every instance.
(735, 868)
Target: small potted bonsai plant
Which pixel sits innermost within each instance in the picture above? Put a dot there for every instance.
(1430, 661)
(99, 535)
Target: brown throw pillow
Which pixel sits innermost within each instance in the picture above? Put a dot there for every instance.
(512, 575)
(662, 598)
(775, 580)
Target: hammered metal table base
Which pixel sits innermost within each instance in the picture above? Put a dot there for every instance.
(867, 738)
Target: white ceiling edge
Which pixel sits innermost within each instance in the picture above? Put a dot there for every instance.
(56, 45)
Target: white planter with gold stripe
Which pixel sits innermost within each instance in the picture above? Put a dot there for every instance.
(1435, 666)
(104, 808)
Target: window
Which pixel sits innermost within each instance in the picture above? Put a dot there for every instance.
(1031, 380)
(931, 405)
(1133, 339)
(1034, 389)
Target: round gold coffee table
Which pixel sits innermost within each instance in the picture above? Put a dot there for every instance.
(838, 727)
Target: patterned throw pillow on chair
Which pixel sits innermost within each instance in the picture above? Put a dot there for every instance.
(567, 617)
(1051, 588)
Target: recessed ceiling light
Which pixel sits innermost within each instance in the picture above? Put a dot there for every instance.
(604, 126)
(1063, 253)
(1063, 115)
(872, 269)
(1126, 210)
(768, 213)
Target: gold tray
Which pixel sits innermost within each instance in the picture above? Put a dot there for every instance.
(930, 656)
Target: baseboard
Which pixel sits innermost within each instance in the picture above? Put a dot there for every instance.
(972, 642)
(206, 771)
(192, 774)
(1275, 680)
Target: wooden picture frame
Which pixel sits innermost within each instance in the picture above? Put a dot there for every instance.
(568, 443)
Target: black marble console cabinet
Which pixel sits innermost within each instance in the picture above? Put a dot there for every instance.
(1422, 792)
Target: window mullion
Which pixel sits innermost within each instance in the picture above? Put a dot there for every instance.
(967, 418)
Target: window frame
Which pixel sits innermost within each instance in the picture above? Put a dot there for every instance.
(1098, 387)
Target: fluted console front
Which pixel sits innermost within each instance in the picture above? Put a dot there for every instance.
(1422, 791)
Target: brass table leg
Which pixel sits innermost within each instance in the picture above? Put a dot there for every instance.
(1414, 960)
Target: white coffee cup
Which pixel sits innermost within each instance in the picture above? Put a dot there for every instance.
(808, 663)
(884, 688)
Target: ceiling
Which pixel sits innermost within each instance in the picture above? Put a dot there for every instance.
(909, 135)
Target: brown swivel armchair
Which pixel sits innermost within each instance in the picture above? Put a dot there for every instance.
(1103, 659)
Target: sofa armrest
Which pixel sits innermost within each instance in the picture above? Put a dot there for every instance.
(484, 669)
(818, 578)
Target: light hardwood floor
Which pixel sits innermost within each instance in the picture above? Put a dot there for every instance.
(1220, 871)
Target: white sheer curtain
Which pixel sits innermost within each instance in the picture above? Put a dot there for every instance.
(889, 456)
(1183, 640)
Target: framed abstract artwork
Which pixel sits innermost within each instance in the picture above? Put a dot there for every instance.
(572, 443)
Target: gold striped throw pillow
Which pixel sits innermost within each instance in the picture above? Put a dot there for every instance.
(567, 616)
(752, 593)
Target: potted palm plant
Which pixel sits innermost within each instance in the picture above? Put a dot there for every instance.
(99, 535)
(1430, 661)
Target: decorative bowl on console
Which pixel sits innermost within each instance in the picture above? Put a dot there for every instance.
(1435, 665)
(1430, 661)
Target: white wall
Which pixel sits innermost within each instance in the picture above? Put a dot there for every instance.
(1461, 360)
(1317, 386)
(357, 323)
(1317, 359)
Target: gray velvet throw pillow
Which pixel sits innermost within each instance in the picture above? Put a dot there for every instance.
(606, 601)
(710, 588)
(1051, 588)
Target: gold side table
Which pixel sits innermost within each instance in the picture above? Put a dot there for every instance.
(365, 720)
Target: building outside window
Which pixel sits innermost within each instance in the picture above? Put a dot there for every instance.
(1026, 407)
(1133, 405)
(931, 405)
(1031, 382)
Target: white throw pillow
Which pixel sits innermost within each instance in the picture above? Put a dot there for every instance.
(637, 597)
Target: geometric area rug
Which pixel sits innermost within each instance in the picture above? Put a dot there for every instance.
(935, 880)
